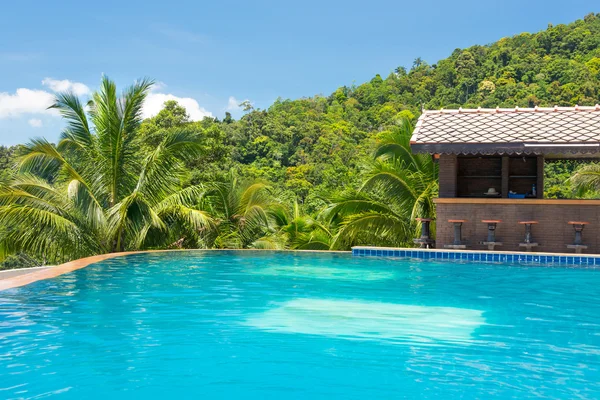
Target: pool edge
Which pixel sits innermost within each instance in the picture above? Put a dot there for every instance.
(53, 272)
(558, 259)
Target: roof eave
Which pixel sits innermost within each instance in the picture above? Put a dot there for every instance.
(505, 148)
(415, 135)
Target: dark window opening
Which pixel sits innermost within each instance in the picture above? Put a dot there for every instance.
(479, 177)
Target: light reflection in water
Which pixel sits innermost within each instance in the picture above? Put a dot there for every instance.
(370, 320)
(325, 272)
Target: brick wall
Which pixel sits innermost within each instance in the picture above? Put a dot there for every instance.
(447, 175)
(552, 232)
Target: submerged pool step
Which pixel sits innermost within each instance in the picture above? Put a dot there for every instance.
(481, 256)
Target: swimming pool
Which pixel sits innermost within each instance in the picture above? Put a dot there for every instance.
(283, 325)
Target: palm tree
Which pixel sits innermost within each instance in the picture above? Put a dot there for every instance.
(399, 187)
(586, 181)
(95, 192)
(244, 212)
(300, 231)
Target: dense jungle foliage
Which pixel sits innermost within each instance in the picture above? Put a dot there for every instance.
(325, 172)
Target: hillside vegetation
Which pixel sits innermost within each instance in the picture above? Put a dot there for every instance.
(313, 146)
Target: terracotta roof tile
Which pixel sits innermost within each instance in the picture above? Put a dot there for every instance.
(575, 128)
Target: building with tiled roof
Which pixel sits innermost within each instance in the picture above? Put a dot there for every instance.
(491, 177)
(509, 131)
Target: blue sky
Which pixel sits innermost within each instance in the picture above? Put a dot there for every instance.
(215, 54)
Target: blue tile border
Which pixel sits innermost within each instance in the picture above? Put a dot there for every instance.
(479, 256)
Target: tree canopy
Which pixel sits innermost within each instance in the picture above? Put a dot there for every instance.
(318, 145)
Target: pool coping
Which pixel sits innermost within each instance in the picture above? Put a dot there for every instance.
(11, 273)
(561, 259)
(558, 259)
(53, 272)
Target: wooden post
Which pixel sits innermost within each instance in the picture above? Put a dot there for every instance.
(505, 169)
(540, 177)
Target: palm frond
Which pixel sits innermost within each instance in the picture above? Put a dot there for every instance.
(586, 180)
(271, 242)
(163, 169)
(78, 133)
(372, 228)
(115, 131)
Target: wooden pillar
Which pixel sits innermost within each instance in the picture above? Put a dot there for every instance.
(540, 177)
(504, 190)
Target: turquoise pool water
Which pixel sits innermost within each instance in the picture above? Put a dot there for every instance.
(261, 325)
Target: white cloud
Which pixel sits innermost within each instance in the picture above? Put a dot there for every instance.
(36, 102)
(26, 101)
(66, 85)
(158, 85)
(233, 104)
(155, 101)
(36, 123)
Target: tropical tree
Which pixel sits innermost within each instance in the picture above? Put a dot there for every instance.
(298, 230)
(399, 186)
(95, 191)
(243, 212)
(586, 181)
(7, 155)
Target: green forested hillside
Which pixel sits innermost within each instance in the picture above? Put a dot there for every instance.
(315, 145)
(321, 172)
